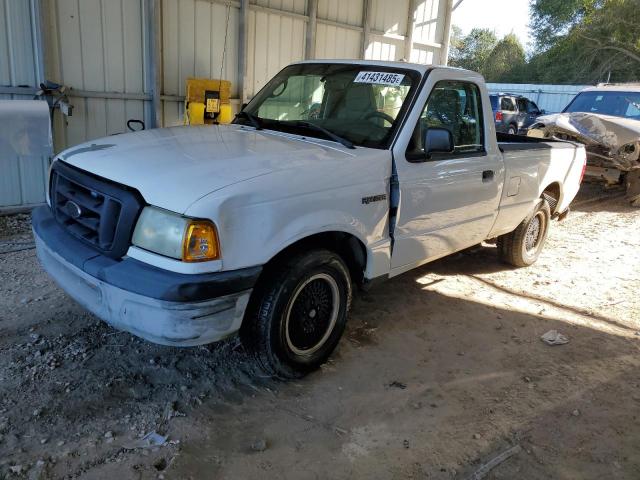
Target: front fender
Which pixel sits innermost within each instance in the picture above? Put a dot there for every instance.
(255, 225)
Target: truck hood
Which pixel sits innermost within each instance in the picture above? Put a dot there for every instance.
(174, 167)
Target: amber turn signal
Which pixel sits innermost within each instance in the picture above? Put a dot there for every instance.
(200, 242)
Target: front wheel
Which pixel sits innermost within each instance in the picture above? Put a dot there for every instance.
(298, 314)
(522, 247)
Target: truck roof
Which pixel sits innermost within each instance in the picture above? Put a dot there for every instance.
(380, 63)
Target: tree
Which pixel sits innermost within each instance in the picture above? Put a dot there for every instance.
(480, 51)
(473, 50)
(552, 19)
(585, 41)
(505, 62)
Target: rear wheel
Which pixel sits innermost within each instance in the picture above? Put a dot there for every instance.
(513, 130)
(522, 247)
(298, 314)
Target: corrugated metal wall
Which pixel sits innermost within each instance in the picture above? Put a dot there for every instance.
(96, 46)
(389, 25)
(103, 50)
(275, 40)
(551, 98)
(22, 178)
(339, 41)
(193, 41)
(428, 32)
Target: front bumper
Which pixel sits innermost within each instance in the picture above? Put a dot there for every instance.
(160, 306)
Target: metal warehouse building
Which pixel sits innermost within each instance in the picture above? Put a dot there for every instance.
(129, 59)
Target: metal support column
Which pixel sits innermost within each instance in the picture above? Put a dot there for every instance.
(243, 40)
(408, 39)
(152, 25)
(37, 24)
(366, 26)
(310, 41)
(444, 52)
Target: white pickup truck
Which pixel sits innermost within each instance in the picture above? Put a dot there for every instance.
(336, 173)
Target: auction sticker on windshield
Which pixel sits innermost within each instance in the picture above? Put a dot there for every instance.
(379, 78)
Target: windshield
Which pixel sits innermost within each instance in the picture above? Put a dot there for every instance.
(618, 104)
(361, 104)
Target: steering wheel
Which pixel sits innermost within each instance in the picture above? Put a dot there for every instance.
(382, 115)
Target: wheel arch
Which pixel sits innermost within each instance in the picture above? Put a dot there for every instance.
(350, 248)
(552, 193)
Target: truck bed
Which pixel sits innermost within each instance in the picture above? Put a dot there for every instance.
(533, 165)
(509, 143)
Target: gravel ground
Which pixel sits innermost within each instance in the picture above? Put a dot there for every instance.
(439, 371)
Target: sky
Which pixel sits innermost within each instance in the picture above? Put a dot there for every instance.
(502, 16)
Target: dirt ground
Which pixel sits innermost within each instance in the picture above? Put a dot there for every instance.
(440, 370)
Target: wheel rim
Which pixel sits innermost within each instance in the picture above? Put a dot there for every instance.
(512, 131)
(534, 233)
(311, 314)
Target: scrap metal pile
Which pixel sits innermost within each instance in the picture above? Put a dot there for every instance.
(612, 144)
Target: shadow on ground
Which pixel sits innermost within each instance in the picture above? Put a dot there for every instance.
(423, 385)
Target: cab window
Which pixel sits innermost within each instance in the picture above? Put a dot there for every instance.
(507, 104)
(456, 106)
(522, 105)
(532, 107)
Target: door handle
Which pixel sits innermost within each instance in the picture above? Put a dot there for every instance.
(487, 175)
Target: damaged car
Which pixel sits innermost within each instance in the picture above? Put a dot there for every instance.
(606, 119)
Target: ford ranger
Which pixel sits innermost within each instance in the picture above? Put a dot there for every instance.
(335, 174)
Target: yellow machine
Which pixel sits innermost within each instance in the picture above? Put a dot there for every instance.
(207, 101)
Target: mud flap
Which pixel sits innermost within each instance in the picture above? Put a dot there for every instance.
(633, 187)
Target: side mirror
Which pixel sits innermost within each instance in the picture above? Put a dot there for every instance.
(542, 112)
(437, 140)
(243, 106)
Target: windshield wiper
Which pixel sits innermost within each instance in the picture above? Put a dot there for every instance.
(252, 118)
(328, 133)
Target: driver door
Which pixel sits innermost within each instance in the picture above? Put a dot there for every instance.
(448, 201)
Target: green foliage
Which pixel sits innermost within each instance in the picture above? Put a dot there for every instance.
(473, 50)
(505, 62)
(553, 18)
(585, 41)
(576, 41)
(480, 51)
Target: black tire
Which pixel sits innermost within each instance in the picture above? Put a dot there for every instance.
(513, 130)
(298, 313)
(522, 247)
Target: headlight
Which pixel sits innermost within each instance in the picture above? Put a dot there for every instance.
(175, 236)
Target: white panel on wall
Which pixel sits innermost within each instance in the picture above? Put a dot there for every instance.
(193, 44)
(344, 11)
(293, 6)
(423, 55)
(22, 177)
(390, 17)
(429, 21)
(17, 54)
(337, 42)
(99, 48)
(274, 42)
(384, 48)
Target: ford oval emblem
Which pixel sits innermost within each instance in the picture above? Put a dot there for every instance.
(73, 209)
